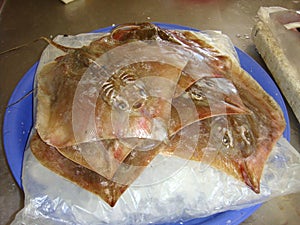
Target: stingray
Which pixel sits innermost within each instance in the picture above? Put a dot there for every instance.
(238, 144)
(68, 111)
(68, 89)
(109, 190)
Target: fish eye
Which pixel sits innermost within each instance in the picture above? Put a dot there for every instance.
(226, 140)
(248, 145)
(196, 94)
(246, 135)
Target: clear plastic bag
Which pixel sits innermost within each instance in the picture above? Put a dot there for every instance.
(195, 190)
(180, 193)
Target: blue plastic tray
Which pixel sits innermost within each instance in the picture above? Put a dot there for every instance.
(18, 123)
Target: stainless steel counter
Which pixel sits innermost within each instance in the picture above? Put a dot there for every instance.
(24, 21)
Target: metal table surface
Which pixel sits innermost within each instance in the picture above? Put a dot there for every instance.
(24, 21)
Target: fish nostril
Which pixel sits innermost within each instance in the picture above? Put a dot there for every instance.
(142, 93)
(120, 104)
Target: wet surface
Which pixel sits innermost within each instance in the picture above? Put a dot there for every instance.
(24, 21)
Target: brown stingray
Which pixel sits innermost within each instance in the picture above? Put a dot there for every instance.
(143, 103)
(242, 158)
(147, 101)
(57, 84)
(109, 190)
(49, 157)
(236, 144)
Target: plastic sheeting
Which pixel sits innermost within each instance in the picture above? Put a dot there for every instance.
(179, 193)
(194, 190)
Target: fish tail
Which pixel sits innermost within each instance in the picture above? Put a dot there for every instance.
(59, 46)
